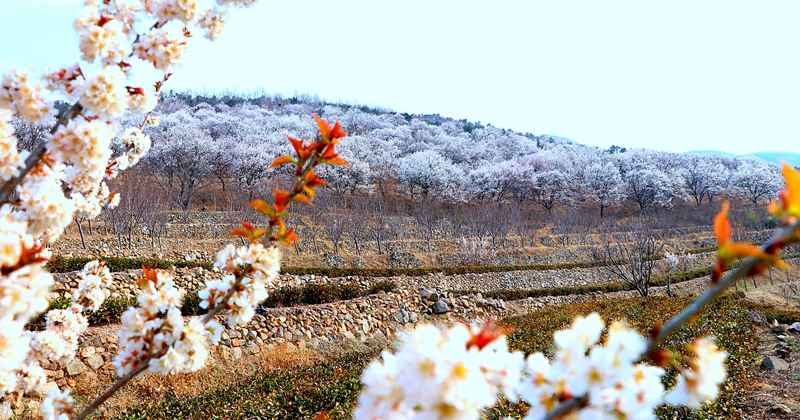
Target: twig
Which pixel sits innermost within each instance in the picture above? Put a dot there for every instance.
(114, 388)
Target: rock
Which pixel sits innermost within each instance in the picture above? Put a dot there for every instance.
(75, 367)
(42, 391)
(784, 351)
(440, 307)
(88, 351)
(779, 329)
(774, 363)
(794, 328)
(95, 361)
(424, 293)
(781, 409)
(237, 353)
(782, 337)
(6, 413)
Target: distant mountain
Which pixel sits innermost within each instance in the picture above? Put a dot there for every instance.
(559, 138)
(773, 157)
(778, 157)
(708, 152)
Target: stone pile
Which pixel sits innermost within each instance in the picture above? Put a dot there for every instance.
(784, 334)
(400, 259)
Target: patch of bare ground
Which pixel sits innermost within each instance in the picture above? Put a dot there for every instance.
(775, 394)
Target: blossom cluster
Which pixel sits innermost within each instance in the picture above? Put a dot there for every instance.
(439, 376)
(23, 294)
(154, 333)
(448, 376)
(246, 288)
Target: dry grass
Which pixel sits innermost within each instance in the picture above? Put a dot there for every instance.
(219, 373)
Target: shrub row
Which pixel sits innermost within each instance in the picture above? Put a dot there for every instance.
(316, 293)
(61, 264)
(112, 308)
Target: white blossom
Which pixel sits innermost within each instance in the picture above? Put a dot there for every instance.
(161, 48)
(57, 405)
(213, 21)
(105, 94)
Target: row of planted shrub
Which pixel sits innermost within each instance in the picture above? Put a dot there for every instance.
(111, 310)
(61, 264)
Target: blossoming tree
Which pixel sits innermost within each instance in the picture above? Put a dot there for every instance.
(451, 375)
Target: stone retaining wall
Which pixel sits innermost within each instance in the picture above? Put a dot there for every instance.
(378, 316)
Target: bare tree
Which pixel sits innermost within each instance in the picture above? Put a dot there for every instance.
(565, 223)
(497, 221)
(379, 229)
(357, 223)
(155, 220)
(630, 256)
(427, 216)
(334, 229)
(525, 227)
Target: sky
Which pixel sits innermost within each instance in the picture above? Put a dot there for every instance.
(676, 76)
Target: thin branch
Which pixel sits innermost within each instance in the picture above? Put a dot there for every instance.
(567, 407)
(114, 388)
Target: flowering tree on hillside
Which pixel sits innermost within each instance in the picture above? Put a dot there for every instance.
(703, 178)
(428, 171)
(603, 184)
(755, 180)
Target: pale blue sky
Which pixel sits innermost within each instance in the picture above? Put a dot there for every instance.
(677, 76)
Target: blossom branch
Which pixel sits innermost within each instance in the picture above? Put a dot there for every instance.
(221, 305)
(780, 239)
(143, 364)
(111, 391)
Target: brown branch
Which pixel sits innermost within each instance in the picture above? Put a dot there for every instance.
(114, 388)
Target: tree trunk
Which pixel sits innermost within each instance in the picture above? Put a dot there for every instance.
(669, 284)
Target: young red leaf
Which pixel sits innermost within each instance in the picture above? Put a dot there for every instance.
(281, 160)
